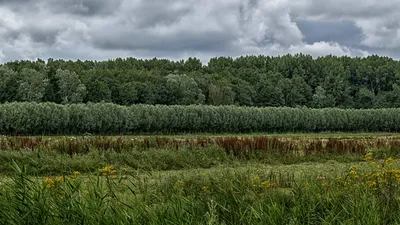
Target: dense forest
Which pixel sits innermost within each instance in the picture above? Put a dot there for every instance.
(290, 80)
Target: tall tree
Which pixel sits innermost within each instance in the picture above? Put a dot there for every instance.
(364, 98)
(8, 84)
(220, 94)
(98, 91)
(269, 93)
(128, 93)
(321, 99)
(183, 90)
(32, 85)
(71, 88)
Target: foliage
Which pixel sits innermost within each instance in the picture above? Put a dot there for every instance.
(289, 80)
(108, 118)
(71, 88)
(32, 86)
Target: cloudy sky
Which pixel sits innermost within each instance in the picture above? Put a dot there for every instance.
(178, 29)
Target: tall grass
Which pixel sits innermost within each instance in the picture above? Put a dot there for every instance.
(237, 145)
(163, 159)
(230, 197)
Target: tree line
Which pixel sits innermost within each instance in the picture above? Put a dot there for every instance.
(262, 81)
(28, 118)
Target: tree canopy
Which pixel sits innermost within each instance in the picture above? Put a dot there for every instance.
(289, 80)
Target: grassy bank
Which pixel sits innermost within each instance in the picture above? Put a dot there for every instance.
(312, 193)
(200, 180)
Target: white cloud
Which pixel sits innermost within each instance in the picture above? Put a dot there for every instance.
(381, 33)
(269, 21)
(9, 20)
(326, 48)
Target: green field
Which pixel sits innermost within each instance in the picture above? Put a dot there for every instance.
(329, 178)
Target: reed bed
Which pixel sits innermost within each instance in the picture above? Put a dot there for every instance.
(235, 145)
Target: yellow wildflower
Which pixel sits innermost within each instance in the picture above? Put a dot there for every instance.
(325, 184)
(108, 170)
(59, 179)
(268, 184)
(389, 161)
(368, 156)
(205, 188)
(76, 173)
(371, 184)
(353, 172)
(179, 183)
(346, 183)
(49, 182)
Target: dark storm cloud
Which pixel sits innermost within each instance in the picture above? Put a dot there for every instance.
(152, 13)
(73, 7)
(124, 38)
(337, 9)
(243, 8)
(14, 2)
(162, 26)
(44, 36)
(343, 32)
(83, 7)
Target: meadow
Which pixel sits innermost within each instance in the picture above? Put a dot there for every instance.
(246, 140)
(329, 178)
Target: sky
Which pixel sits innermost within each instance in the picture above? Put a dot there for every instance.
(178, 29)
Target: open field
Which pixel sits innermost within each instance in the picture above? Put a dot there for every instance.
(334, 178)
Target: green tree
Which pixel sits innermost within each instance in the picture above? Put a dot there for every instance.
(392, 98)
(192, 64)
(71, 89)
(321, 99)
(336, 82)
(220, 94)
(365, 98)
(8, 84)
(269, 93)
(32, 85)
(244, 92)
(383, 100)
(295, 91)
(129, 93)
(183, 90)
(98, 91)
